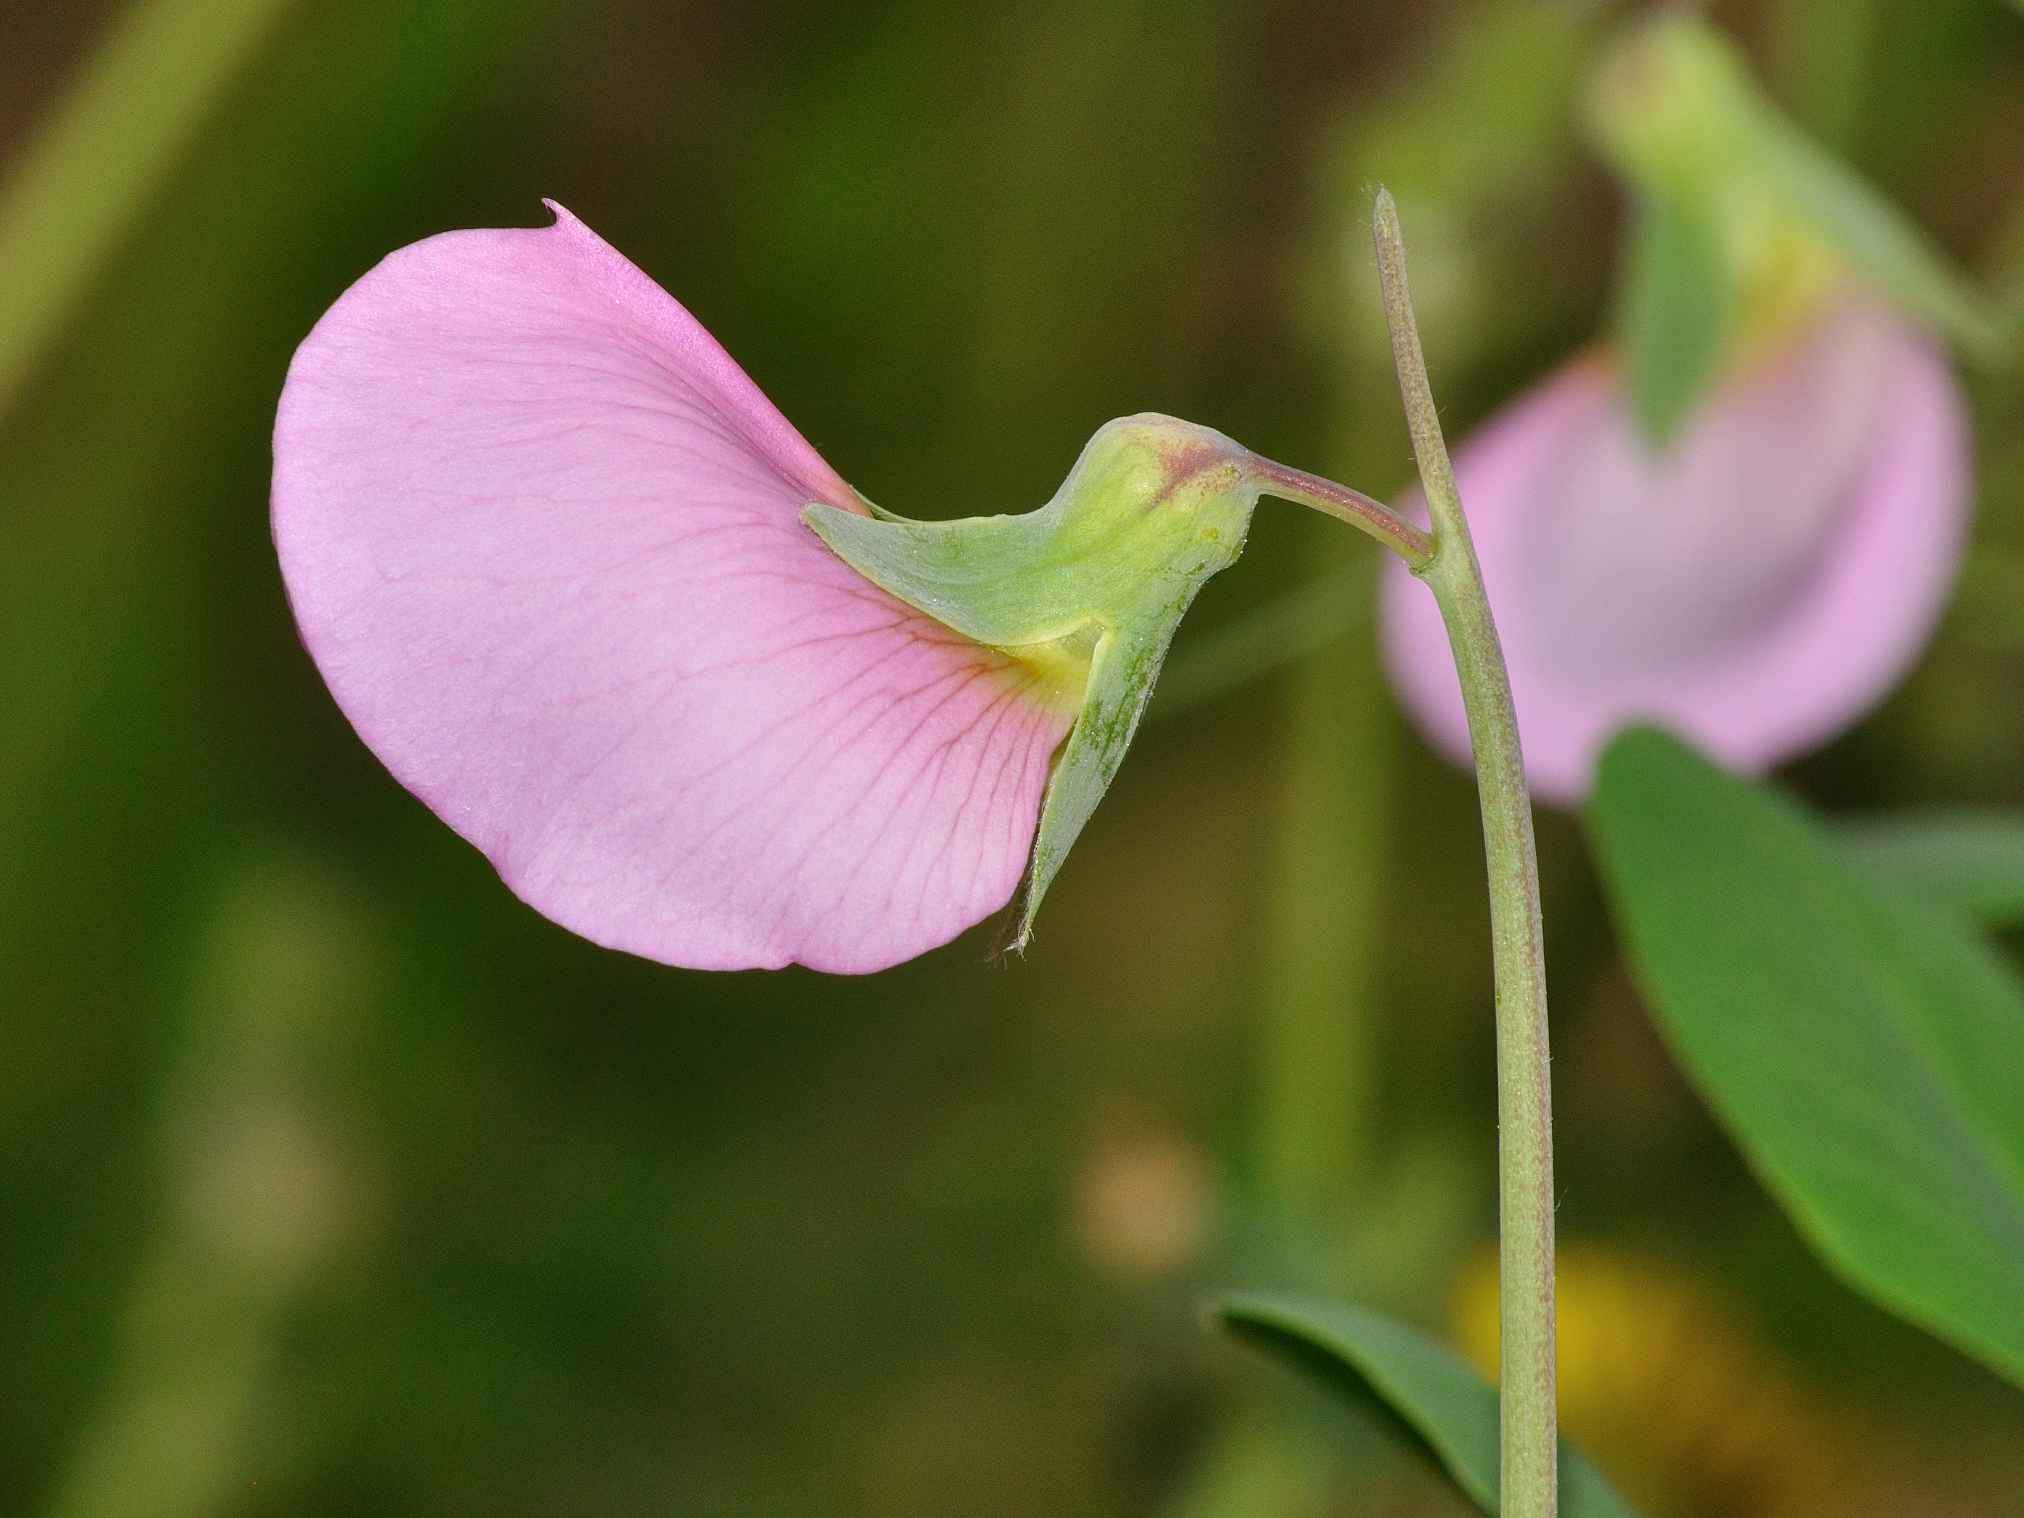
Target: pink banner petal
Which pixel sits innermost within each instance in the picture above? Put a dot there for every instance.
(1757, 588)
(543, 539)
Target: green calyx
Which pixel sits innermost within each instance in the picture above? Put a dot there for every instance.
(1743, 224)
(1095, 581)
(1669, 104)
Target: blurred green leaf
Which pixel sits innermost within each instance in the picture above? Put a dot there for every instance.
(1285, 629)
(1879, 241)
(1677, 298)
(1821, 51)
(94, 167)
(1970, 859)
(1439, 1400)
(1678, 112)
(1863, 1047)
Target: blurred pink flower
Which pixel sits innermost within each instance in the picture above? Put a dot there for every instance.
(543, 539)
(1757, 587)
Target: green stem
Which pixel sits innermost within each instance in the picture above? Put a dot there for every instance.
(1253, 644)
(97, 161)
(1529, 1449)
(1345, 505)
(1315, 1143)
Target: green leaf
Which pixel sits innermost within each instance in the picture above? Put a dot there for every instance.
(1880, 243)
(1863, 1047)
(1677, 301)
(1676, 110)
(1966, 858)
(1439, 1401)
(95, 166)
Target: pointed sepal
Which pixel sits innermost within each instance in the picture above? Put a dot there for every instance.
(1088, 589)
(1744, 226)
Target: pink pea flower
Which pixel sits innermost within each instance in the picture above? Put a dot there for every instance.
(543, 538)
(1757, 587)
(593, 600)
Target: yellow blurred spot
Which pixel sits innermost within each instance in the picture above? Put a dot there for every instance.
(1667, 1389)
(1143, 1201)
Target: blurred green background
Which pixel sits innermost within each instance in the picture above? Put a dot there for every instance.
(333, 1180)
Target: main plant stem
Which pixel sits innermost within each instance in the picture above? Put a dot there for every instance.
(1529, 1464)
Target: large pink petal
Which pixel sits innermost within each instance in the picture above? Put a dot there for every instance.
(542, 537)
(1757, 588)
